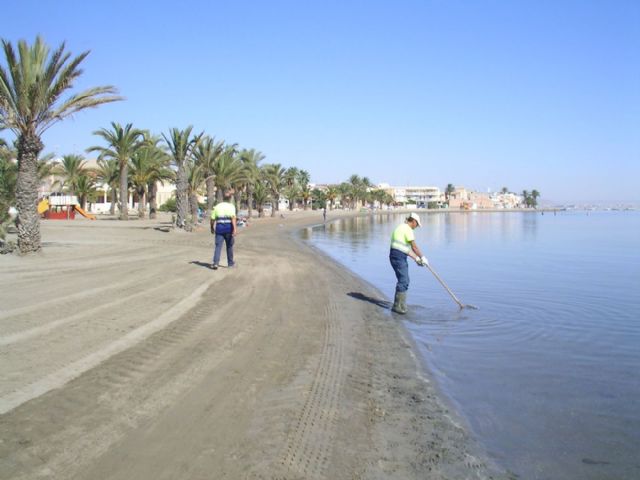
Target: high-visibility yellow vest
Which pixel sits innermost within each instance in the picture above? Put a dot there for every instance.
(402, 237)
(223, 211)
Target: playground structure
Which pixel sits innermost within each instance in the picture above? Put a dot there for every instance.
(62, 207)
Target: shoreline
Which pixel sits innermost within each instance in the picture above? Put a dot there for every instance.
(479, 464)
(151, 365)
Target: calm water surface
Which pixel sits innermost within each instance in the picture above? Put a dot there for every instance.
(547, 371)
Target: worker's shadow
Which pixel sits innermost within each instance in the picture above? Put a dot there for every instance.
(200, 264)
(376, 301)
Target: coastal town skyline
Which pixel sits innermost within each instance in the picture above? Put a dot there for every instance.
(485, 96)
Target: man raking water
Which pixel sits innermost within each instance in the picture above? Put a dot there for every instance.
(403, 245)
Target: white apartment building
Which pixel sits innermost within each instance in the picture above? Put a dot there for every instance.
(420, 195)
(506, 200)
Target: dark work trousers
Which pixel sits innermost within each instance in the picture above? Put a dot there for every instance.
(401, 268)
(227, 238)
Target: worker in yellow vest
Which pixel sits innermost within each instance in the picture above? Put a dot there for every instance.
(403, 245)
(223, 226)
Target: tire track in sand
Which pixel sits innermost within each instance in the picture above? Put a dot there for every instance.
(60, 377)
(309, 444)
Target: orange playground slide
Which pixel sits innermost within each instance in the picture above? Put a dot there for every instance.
(83, 213)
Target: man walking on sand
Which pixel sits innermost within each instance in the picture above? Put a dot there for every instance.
(403, 245)
(223, 226)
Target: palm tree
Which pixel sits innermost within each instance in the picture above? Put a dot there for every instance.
(274, 175)
(260, 194)
(85, 186)
(527, 200)
(207, 155)
(448, 191)
(291, 193)
(291, 176)
(388, 199)
(250, 160)
(377, 195)
(365, 186)
(534, 198)
(291, 185)
(147, 166)
(319, 198)
(108, 174)
(141, 170)
(71, 168)
(8, 180)
(195, 181)
(332, 194)
(305, 191)
(345, 191)
(31, 89)
(159, 170)
(227, 170)
(181, 147)
(354, 184)
(161, 173)
(122, 145)
(504, 190)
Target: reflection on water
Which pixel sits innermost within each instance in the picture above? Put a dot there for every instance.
(547, 372)
(441, 228)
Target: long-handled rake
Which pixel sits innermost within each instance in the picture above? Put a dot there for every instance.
(460, 304)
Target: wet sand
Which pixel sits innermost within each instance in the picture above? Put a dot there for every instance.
(123, 356)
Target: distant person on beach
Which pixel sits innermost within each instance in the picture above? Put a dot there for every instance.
(403, 245)
(324, 214)
(223, 226)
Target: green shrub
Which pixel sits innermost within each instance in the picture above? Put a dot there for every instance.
(168, 206)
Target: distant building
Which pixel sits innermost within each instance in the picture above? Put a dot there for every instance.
(421, 196)
(506, 200)
(463, 199)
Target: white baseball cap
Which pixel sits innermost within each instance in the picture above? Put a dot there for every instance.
(415, 217)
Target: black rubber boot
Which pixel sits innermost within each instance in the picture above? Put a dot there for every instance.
(403, 302)
(399, 303)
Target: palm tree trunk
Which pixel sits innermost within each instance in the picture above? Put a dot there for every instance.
(28, 221)
(182, 199)
(124, 191)
(211, 195)
(153, 205)
(193, 203)
(249, 202)
(141, 202)
(114, 200)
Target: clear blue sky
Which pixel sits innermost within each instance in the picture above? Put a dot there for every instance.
(525, 94)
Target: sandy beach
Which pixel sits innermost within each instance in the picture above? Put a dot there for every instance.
(124, 356)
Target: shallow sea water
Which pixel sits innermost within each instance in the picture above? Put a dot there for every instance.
(547, 371)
